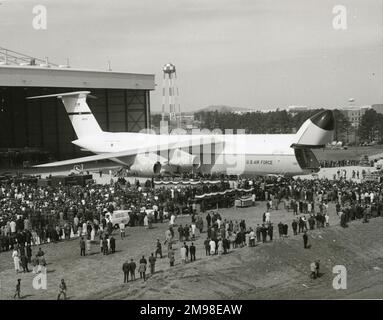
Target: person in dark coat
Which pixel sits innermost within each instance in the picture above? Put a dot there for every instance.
(24, 263)
(209, 231)
(258, 233)
(264, 233)
(285, 229)
(18, 289)
(186, 233)
(105, 246)
(226, 245)
(270, 231)
(152, 263)
(142, 268)
(62, 290)
(158, 248)
(29, 252)
(207, 246)
(294, 226)
(208, 220)
(82, 247)
(126, 269)
(132, 269)
(311, 221)
(305, 240)
(112, 244)
(109, 227)
(180, 233)
(301, 225)
(192, 252)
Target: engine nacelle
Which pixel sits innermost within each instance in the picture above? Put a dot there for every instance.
(146, 165)
(184, 160)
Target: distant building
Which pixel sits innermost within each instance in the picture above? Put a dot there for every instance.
(296, 109)
(354, 114)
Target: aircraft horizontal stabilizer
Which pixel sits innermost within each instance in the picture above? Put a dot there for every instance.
(59, 95)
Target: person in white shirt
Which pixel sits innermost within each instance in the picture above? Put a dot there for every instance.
(172, 219)
(313, 270)
(92, 233)
(193, 228)
(183, 254)
(122, 230)
(108, 241)
(12, 225)
(212, 247)
(75, 224)
(267, 217)
(247, 239)
(325, 207)
(252, 238)
(84, 229)
(327, 218)
(16, 260)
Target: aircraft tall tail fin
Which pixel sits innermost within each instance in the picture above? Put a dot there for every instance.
(83, 121)
(317, 131)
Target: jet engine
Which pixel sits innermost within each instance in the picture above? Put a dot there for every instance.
(146, 165)
(184, 160)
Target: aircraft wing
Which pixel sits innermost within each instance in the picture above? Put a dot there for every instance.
(183, 142)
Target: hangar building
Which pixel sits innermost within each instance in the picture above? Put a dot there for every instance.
(122, 103)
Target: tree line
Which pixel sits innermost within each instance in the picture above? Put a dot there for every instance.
(282, 122)
(272, 122)
(371, 126)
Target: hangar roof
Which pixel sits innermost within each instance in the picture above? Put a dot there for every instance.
(36, 76)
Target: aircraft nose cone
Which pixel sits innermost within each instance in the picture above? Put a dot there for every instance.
(324, 120)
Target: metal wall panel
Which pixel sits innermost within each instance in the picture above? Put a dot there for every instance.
(27, 76)
(43, 123)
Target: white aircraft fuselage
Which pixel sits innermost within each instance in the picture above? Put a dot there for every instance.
(149, 154)
(243, 154)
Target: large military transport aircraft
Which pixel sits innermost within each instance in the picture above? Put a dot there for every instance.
(149, 154)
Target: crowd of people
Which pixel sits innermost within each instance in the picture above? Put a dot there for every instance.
(34, 215)
(40, 214)
(307, 200)
(31, 215)
(344, 163)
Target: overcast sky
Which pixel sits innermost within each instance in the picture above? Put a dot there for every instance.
(244, 53)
